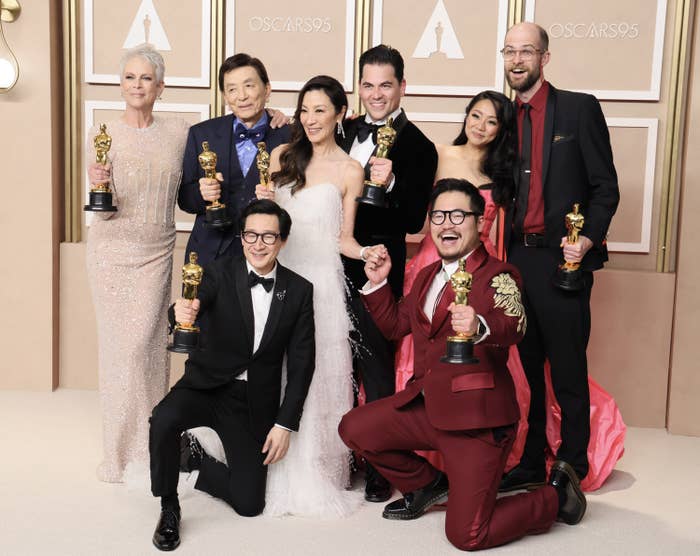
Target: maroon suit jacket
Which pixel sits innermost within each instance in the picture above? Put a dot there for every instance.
(458, 397)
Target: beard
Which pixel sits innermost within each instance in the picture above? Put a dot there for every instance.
(528, 83)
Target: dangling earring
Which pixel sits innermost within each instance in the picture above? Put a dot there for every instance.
(340, 130)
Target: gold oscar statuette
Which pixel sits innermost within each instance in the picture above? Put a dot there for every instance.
(216, 215)
(186, 334)
(375, 193)
(100, 195)
(568, 275)
(460, 347)
(262, 161)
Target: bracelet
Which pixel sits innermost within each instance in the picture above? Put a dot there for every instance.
(362, 252)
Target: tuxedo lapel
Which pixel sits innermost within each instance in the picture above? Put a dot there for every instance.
(441, 312)
(548, 132)
(228, 157)
(423, 318)
(245, 300)
(279, 295)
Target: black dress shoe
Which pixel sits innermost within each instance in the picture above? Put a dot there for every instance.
(572, 502)
(377, 488)
(167, 533)
(415, 504)
(522, 478)
(191, 453)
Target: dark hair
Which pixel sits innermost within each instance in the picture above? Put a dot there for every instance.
(296, 157)
(380, 55)
(500, 154)
(265, 206)
(241, 60)
(476, 201)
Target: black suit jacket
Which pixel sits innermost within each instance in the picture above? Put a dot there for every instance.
(226, 342)
(236, 190)
(414, 161)
(577, 167)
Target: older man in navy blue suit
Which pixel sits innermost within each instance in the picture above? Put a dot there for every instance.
(246, 87)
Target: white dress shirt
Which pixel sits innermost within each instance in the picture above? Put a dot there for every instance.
(262, 300)
(363, 151)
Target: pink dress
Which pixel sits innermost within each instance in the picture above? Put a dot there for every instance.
(606, 445)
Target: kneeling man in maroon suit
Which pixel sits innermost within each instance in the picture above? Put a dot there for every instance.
(467, 412)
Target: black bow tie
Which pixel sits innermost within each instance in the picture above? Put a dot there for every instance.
(242, 133)
(364, 130)
(254, 280)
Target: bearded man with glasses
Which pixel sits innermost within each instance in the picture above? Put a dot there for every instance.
(565, 158)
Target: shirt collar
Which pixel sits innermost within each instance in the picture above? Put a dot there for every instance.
(260, 123)
(272, 274)
(539, 99)
(394, 115)
(448, 269)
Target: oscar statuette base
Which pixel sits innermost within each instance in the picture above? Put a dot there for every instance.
(185, 340)
(100, 201)
(217, 218)
(374, 195)
(570, 280)
(460, 351)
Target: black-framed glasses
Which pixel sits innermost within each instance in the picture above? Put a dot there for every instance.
(457, 216)
(528, 53)
(268, 238)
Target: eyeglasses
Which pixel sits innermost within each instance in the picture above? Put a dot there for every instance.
(457, 216)
(268, 238)
(525, 53)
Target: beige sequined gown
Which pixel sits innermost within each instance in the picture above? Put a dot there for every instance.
(129, 262)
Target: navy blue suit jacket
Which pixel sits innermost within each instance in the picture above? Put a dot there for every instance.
(236, 190)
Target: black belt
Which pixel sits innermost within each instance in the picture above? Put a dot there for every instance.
(533, 240)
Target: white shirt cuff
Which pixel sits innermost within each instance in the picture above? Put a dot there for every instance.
(282, 427)
(486, 333)
(391, 183)
(368, 288)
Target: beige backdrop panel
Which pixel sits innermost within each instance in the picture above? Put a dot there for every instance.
(25, 173)
(181, 35)
(630, 147)
(684, 409)
(467, 55)
(603, 45)
(295, 40)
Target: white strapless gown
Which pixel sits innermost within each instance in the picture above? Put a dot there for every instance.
(313, 477)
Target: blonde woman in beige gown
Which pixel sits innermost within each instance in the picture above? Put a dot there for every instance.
(129, 261)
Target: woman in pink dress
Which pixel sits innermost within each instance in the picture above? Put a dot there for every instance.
(484, 154)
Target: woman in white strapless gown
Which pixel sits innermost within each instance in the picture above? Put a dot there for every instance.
(321, 184)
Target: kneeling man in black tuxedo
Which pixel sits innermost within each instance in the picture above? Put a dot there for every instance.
(258, 312)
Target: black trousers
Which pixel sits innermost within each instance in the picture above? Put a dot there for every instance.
(241, 483)
(374, 357)
(558, 328)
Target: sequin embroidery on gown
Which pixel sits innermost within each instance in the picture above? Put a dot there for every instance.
(312, 478)
(129, 264)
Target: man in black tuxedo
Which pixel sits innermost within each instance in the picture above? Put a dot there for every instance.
(565, 158)
(409, 172)
(244, 82)
(258, 313)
